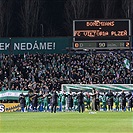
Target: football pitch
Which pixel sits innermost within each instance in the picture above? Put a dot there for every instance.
(66, 122)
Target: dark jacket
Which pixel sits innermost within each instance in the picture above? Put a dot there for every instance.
(70, 100)
(123, 98)
(54, 98)
(110, 96)
(22, 100)
(80, 98)
(130, 99)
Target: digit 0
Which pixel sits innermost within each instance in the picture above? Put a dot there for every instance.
(76, 45)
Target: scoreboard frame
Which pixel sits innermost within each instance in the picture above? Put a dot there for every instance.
(87, 33)
(101, 45)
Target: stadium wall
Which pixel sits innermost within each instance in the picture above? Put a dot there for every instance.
(47, 45)
(9, 107)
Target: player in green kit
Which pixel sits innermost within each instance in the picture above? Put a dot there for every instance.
(59, 105)
(117, 102)
(45, 103)
(27, 99)
(40, 101)
(104, 101)
(87, 100)
(63, 100)
(75, 102)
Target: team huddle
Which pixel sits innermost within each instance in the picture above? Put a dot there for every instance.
(76, 101)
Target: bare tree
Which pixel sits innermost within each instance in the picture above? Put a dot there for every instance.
(30, 17)
(108, 8)
(51, 31)
(42, 17)
(76, 9)
(126, 8)
(131, 8)
(1, 19)
(5, 17)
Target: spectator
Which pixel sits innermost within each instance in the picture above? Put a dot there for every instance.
(52, 70)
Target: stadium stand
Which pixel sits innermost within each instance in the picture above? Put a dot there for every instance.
(47, 71)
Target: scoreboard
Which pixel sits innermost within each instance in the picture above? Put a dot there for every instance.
(102, 33)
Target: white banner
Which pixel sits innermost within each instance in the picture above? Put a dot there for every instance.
(11, 95)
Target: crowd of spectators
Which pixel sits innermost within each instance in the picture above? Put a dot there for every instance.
(47, 71)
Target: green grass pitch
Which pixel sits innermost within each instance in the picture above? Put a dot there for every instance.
(66, 122)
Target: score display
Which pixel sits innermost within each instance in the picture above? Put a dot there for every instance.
(101, 45)
(101, 30)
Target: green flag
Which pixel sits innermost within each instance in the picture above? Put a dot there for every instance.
(126, 63)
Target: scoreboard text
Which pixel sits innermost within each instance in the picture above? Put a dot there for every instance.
(102, 33)
(95, 30)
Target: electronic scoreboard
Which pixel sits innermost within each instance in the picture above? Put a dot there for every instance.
(104, 34)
